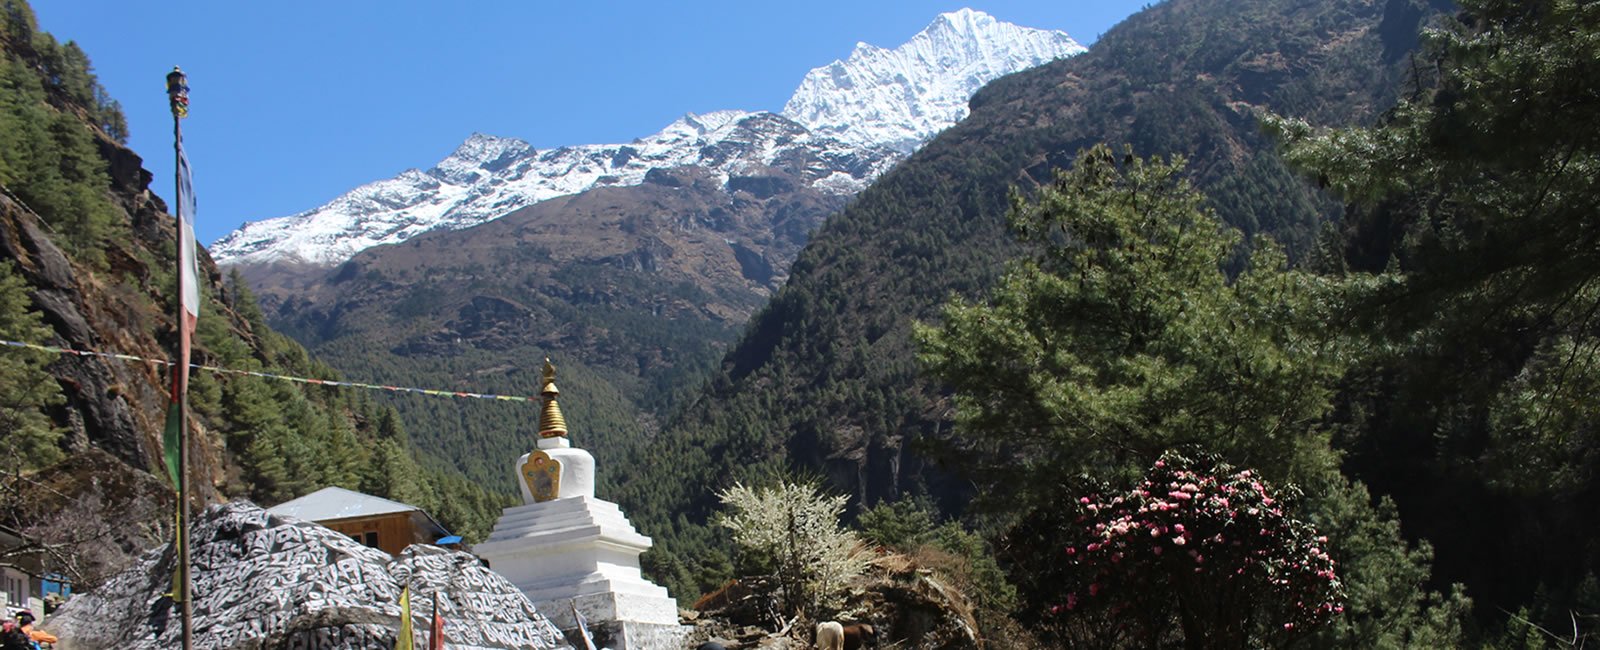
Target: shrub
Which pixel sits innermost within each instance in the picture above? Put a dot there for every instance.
(1199, 550)
(792, 531)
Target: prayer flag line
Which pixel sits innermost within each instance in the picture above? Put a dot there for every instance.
(267, 375)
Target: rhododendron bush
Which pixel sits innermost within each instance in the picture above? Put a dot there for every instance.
(1197, 551)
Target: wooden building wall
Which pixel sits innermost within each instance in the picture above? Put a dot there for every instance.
(389, 533)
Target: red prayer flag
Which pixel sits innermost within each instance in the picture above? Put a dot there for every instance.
(436, 630)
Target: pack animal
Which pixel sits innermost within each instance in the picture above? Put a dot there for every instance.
(830, 636)
(860, 635)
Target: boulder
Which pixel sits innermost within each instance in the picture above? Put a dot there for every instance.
(262, 581)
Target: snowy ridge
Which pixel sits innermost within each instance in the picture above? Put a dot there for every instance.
(847, 123)
(899, 98)
(488, 177)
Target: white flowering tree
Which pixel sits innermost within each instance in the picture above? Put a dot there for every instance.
(792, 531)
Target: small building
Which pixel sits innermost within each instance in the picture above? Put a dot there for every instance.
(21, 586)
(389, 526)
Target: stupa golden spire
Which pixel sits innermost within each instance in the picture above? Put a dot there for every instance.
(551, 424)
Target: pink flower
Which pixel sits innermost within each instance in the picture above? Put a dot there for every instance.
(1094, 589)
(1178, 527)
(1179, 541)
(1072, 550)
(1084, 500)
(1156, 550)
(1072, 601)
(1161, 463)
(1288, 626)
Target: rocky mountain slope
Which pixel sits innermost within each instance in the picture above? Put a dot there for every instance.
(851, 120)
(633, 290)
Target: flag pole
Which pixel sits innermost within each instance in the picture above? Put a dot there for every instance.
(178, 98)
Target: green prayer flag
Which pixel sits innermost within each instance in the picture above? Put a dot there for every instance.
(171, 440)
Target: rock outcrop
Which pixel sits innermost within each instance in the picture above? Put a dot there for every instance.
(263, 581)
(909, 604)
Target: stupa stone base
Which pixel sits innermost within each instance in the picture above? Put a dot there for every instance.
(616, 620)
(581, 551)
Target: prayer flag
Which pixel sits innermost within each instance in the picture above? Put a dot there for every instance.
(436, 631)
(583, 627)
(189, 294)
(403, 640)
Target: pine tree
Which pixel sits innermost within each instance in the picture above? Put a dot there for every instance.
(1474, 242)
(1122, 337)
(31, 439)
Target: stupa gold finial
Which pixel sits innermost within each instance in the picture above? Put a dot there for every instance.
(551, 424)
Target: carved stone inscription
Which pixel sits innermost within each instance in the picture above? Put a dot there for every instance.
(262, 581)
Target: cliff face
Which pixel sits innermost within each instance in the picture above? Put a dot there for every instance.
(110, 411)
(113, 405)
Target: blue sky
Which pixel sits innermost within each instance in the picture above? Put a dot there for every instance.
(294, 103)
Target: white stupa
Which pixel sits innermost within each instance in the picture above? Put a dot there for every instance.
(570, 552)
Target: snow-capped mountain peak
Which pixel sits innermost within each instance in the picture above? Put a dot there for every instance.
(901, 97)
(847, 122)
(481, 154)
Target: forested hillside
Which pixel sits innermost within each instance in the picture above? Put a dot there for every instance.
(1470, 250)
(1148, 351)
(825, 378)
(89, 265)
(634, 292)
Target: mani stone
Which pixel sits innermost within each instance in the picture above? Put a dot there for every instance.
(571, 552)
(263, 581)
